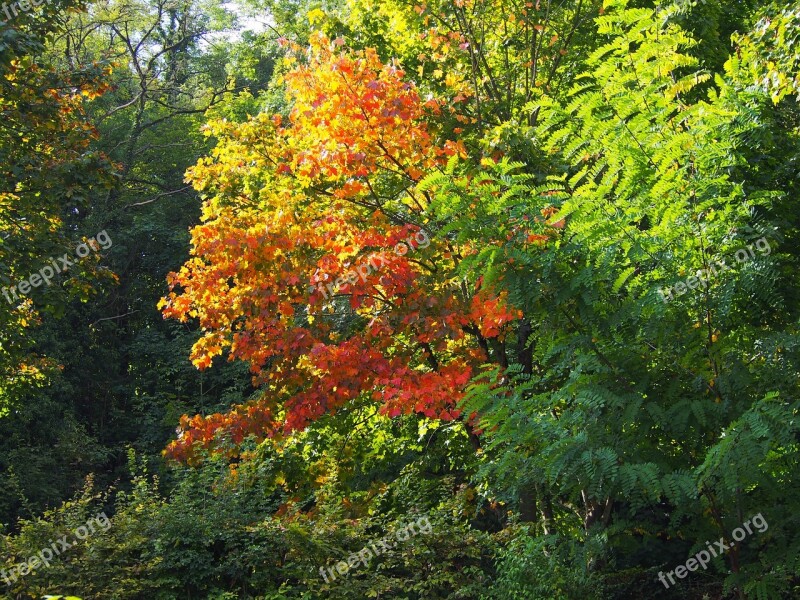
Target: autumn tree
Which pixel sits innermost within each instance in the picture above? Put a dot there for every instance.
(48, 171)
(317, 262)
(122, 376)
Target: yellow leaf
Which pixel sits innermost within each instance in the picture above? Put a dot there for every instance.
(451, 80)
(316, 16)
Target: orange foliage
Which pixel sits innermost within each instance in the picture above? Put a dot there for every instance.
(296, 203)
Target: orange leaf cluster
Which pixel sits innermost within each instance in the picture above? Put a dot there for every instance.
(353, 116)
(292, 204)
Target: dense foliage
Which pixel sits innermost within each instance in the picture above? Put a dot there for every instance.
(465, 299)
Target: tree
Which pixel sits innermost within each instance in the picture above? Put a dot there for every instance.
(48, 172)
(768, 54)
(316, 263)
(122, 375)
(651, 394)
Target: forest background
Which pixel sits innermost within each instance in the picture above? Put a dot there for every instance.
(517, 383)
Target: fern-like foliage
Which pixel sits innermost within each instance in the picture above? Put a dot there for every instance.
(663, 424)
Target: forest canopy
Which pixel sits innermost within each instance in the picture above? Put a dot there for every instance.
(459, 299)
